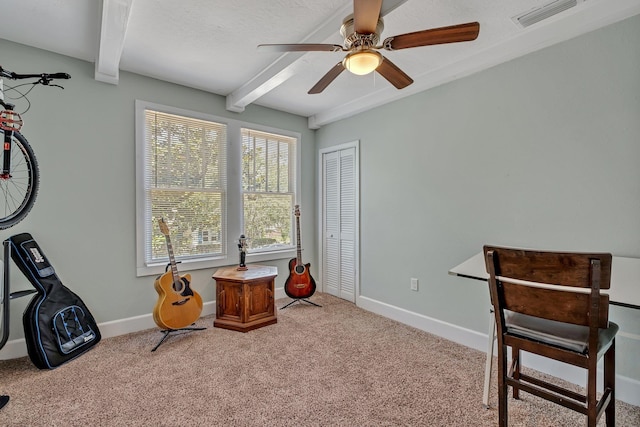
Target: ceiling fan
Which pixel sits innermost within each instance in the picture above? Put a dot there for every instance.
(361, 32)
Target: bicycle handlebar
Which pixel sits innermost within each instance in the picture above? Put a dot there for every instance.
(43, 78)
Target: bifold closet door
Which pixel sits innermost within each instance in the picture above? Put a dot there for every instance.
(339, 223)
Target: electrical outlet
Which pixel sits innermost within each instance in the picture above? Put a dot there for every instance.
(414, 284)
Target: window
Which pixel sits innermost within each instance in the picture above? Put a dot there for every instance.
(184, 184)
(268, 189)
(211, 179)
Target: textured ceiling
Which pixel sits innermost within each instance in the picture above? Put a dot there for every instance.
(211, 44)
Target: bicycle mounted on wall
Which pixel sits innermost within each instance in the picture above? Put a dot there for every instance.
(19, 179)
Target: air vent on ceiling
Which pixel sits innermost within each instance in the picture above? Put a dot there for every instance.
(538, 14)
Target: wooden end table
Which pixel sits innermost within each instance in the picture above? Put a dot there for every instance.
(245, 299)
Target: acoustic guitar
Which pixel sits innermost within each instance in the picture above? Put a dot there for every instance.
(178, 306)
(299, 284)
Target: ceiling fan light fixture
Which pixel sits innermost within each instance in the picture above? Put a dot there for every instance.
(362, 62)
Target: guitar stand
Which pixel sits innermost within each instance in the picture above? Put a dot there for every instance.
(168, 331)
(298, 300)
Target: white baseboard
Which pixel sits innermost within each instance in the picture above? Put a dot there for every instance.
(280, 293)
(627, 389)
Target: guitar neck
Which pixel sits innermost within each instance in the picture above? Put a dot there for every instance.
(299, 257)
(172, 260)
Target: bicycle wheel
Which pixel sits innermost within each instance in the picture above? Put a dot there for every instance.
(18, 190)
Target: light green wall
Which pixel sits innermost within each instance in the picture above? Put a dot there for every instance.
(84, 216)
(540, 152)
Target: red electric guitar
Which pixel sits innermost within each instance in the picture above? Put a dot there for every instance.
(299, 284)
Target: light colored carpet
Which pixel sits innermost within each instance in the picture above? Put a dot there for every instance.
(337, 365)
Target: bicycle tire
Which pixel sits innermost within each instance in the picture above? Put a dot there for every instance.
(18, 191)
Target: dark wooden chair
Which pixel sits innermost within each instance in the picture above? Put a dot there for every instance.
(568, 322)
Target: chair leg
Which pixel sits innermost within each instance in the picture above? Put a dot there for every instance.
(515, 370)
(610, 383)
(592, 401)
(502, 386)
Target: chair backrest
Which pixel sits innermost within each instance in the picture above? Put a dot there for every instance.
(519, 280)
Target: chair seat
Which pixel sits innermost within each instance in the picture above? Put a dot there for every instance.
(559, 334)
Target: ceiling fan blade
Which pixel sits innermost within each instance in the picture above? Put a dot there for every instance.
(393, 74)
(452, 34)
(300, 47)
(365, 15)
(327, 79)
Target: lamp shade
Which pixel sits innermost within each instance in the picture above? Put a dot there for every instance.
(362, 62)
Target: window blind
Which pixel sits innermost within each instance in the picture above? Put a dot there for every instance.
(184, 183)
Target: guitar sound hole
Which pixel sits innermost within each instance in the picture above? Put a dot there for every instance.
(178, 286)
(299, 269)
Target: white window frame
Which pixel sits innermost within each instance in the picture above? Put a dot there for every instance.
(234, 207)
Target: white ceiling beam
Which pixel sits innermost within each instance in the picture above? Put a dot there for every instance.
(268, 79)
(115, 18)
(283, 68)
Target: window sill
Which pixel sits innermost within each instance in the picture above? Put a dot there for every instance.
(201, 264)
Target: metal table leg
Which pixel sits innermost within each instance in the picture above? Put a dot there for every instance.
(489, 363)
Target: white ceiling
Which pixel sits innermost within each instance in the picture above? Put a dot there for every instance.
(211, 44)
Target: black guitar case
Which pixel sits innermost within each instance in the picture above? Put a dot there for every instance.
(58, 326)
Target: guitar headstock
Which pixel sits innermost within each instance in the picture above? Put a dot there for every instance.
(296, 210)
(163, 226)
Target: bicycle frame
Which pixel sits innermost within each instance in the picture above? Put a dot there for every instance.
(7, 115)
